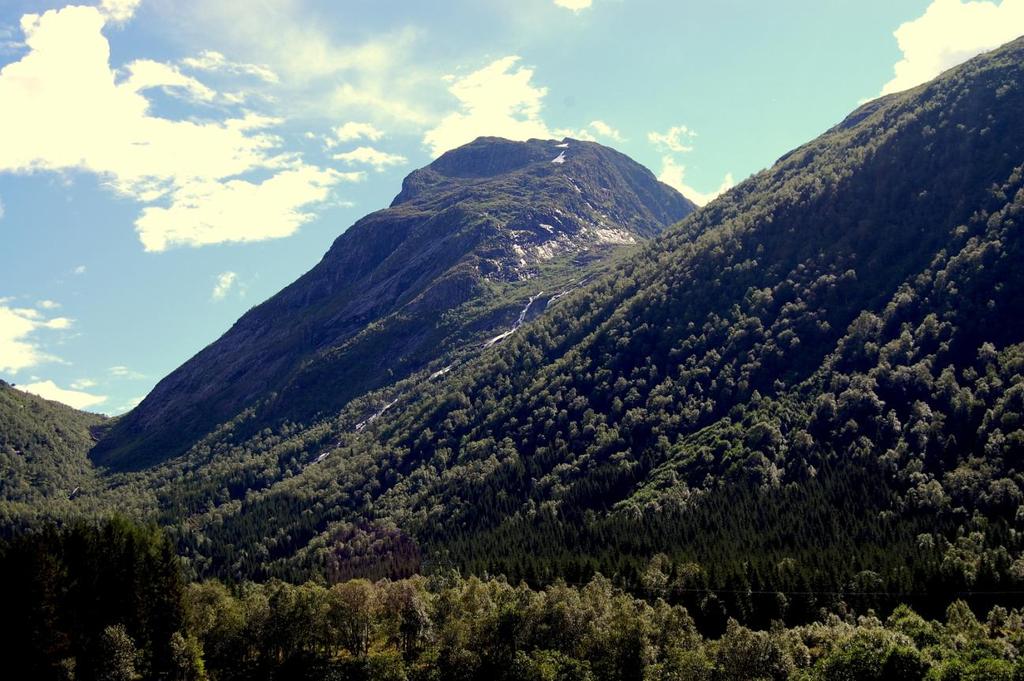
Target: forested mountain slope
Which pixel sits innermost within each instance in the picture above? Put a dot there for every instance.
(407, 285)
(815, 380)
(44, 450)
(808, 393)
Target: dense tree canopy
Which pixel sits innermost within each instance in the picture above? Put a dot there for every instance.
(106, 601)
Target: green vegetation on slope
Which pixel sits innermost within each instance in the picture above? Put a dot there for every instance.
(807, 395)
(44, 449)
(115, 607)
(821, 369)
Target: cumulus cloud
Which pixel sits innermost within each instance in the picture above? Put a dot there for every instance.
(353, 131)
(19, 345)
(575, 5)
(47, 305)
(592, 132)
(145, 74)
(119, 11)
(501, 100)
(83, 384)
(948, 33)
(379, 160)
(225, 280)
(674, 174)
(498, 99)
(49, 390)
(678, 138)
(65, 109)
(213, 61)
(208, 211)
(604, 130)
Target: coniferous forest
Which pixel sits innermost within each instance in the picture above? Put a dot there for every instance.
(779, 438)
(108, 601)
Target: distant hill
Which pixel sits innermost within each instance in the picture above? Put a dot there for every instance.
(44, 448)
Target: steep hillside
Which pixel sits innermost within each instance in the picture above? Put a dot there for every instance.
(43, 449)
(813, 382)
(807, 394)
(467, 242)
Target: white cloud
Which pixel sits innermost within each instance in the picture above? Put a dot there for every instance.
(58, 323)
(64, 109)
(673, 174)
(119, 11)
(210, 60)
(948, 33)
(371, 157)
(16, 351)
(591, 132)
(604, 130)
(225, 280)
(83, 384)
(208, 212)
(124, 372)
(49, 390)
(353, 131)
(575, 5)
(19, 349)
(80, 269)
(48, 304)
(677, 139)
(145, 74)
(498, 100)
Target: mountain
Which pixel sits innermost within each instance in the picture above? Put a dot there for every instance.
(781, 439)
(808, 394)
(469, 239)
(44, 450)
(811, 383)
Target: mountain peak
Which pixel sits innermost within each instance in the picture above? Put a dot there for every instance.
(489, 156)
(555, 188)
(486, 216)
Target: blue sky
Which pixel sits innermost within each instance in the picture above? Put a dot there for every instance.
(167, 164)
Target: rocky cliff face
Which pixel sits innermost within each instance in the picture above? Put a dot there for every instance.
(488, 216)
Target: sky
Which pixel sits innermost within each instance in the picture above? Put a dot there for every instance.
(167, 164)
